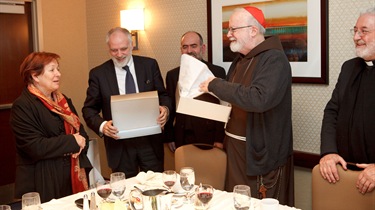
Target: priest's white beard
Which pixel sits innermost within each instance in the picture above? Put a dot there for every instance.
(236, 45)
(367, 51)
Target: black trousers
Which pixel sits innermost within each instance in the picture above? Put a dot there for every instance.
(140, 154)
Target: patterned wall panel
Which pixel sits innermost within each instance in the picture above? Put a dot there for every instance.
(167, 20)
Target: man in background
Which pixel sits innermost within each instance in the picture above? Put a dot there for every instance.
(125, 73)
(259, 140)
(183, 129)
(348, 129)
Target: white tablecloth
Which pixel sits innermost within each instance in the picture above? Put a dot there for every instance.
(221, 200)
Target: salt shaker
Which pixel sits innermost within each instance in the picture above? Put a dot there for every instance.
(92, 201)
(86, 203)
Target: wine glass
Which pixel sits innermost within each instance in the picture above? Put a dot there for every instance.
(241, 197)
(5, 207)
(103, 189)
(187, 180)
(204, 193)
(31, 201)
(169, 178)
(118, 185)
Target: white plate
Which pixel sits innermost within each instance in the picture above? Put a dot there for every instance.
(177, 201)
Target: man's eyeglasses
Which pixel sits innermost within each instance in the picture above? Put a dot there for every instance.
(360, 33)
(233, 29)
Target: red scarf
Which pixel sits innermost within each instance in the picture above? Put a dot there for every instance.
(71, 124)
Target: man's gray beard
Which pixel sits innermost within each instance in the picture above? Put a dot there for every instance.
(235, 46)
(120, 64)
(366, 52)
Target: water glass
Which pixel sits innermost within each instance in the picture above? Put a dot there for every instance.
(187, 180)
(31, 201)
(118, 184)
(241, 197)
(5, 207)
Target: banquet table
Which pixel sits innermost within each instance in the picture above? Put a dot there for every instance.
(221, 200)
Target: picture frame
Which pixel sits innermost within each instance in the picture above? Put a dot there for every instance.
(312, 67)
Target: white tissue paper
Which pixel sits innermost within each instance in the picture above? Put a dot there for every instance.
(192, 73)
(94, 157)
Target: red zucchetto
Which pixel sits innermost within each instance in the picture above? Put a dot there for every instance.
(257, 14)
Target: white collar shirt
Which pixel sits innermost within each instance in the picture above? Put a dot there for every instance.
(121, 73)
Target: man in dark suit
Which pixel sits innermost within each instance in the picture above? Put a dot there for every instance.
(348, 129)
(111, 78)
(183, 129)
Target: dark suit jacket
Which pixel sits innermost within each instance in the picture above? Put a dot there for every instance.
(338, 114)
(203, 130)
(103, 84)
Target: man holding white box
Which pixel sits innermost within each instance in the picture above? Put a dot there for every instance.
(111, 78)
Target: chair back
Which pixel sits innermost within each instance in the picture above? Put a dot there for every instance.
(342, 195)
(209, 163)
(168, 158)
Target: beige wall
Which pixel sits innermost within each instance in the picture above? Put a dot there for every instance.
(63, 28)
(76, 30)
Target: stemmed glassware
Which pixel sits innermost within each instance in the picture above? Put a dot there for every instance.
(187, 180)
(5, 207)
(103, 189)
(31, 201)
(242, 197)
(204, 193)
(118, 185)
(169, 178)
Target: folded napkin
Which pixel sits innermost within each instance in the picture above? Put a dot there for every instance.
(143, 177)
(192, 73)
(149, 179)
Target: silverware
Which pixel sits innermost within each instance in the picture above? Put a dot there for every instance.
(140, 190)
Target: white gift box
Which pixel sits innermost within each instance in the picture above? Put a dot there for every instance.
(136, 114)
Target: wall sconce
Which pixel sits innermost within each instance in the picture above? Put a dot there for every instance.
(133, 20)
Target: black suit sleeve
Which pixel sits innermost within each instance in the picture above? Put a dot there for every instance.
(164, 98)
(171, 83)
(93, 104)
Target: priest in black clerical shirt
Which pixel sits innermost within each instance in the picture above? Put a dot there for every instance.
(348, 129)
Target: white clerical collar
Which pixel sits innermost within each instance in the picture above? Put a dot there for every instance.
(369, 63)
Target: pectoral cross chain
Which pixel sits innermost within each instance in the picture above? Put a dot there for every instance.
(262, 188)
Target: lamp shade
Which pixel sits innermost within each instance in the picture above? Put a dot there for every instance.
(132, 19)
